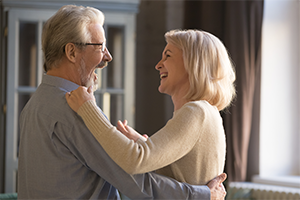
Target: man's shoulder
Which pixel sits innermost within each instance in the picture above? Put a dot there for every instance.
(49, 102)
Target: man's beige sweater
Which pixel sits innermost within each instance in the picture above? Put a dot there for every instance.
(189, 148)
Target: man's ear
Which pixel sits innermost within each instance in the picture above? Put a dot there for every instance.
(70, 51)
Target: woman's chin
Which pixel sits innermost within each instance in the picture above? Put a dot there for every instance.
(161, 90)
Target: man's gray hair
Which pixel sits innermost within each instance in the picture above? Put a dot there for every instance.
(69, 24)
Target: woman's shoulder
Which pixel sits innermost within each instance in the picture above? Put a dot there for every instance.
(192, 107)
(200, 107)
(200, 104)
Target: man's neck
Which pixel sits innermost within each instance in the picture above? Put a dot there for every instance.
(65, 73)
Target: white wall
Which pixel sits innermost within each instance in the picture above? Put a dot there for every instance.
(279, 125)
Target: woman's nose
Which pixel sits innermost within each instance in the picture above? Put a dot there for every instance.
(158, 66)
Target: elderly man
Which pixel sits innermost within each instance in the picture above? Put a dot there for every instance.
(59, 158)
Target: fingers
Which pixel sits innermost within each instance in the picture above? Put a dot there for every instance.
(121, 127)
(125, 125)
(82, 89)
(223, 188)
(90, 89)
(145, 136)
(120, 124)
(222, 177)
(67, 95)
(217, 181)
(78, 97)
(217, 188)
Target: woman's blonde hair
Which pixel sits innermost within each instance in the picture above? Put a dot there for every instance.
(209, 67)
(69, 24)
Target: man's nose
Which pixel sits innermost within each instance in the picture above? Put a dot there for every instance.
(107, 56)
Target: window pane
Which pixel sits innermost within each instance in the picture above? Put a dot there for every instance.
(112, 105)
(116, 108)
(115, 70)
(28, 54)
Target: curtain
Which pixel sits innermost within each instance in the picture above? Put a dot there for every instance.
(238, 24)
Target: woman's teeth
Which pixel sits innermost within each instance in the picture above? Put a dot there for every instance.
(163, 75)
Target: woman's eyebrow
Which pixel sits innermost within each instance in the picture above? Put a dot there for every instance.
(168, 50)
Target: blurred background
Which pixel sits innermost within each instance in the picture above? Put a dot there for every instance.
(262, 38)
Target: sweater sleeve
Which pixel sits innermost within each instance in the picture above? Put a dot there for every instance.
(166, 146)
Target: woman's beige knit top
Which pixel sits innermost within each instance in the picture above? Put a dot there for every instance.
(189, 148)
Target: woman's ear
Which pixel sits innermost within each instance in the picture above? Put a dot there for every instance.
(70, 51)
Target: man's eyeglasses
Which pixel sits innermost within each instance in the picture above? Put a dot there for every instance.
(100, 46)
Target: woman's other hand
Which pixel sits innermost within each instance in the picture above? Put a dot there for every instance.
(79, 96)
(130, 132)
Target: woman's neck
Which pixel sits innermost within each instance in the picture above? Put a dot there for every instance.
(178, 102)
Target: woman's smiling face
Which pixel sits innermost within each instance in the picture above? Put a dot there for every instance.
(174, 78)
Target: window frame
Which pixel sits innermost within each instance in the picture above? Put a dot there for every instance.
(279, 161)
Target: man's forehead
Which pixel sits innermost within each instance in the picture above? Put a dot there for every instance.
(97, 30)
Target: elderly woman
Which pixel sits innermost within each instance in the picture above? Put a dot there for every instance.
(196, 71)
